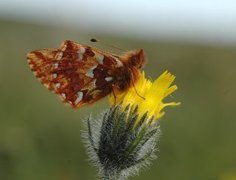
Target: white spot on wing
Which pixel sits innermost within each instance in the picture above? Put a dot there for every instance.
(79, 97)
(119, 63)
(57, 85)
(46, 85)
(63, 95)
(31, 66)
(56, 65)
(59, 56)
(99, 58)
(80, 57)
(108, 78)
(35, 73)
(54, 75)
(81, 52)
(90, 71)
(64, 46)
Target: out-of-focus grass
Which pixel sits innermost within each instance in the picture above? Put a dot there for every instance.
(40, 137)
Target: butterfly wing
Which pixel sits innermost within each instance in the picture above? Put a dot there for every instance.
(78, 74)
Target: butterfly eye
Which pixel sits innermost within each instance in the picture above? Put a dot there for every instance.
(134, 61)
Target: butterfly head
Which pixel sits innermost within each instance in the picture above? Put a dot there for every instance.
(136, 59)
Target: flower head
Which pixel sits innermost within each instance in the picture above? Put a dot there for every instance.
(125, 138)
(147, 95)
(116, 146)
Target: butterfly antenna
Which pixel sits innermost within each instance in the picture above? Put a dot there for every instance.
(106, 44)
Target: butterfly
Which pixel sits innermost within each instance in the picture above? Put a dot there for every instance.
(82, 75)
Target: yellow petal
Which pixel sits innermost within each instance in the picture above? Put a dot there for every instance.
(153, 95)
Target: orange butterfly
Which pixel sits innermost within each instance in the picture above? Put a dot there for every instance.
(81, 74)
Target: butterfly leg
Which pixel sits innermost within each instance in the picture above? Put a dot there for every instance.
(136, 89)
(133, 84)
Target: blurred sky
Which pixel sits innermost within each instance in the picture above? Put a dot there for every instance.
(198, 21)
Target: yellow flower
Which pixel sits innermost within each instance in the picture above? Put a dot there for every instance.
(148, 96)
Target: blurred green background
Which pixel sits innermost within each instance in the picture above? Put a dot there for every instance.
(40, 137)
